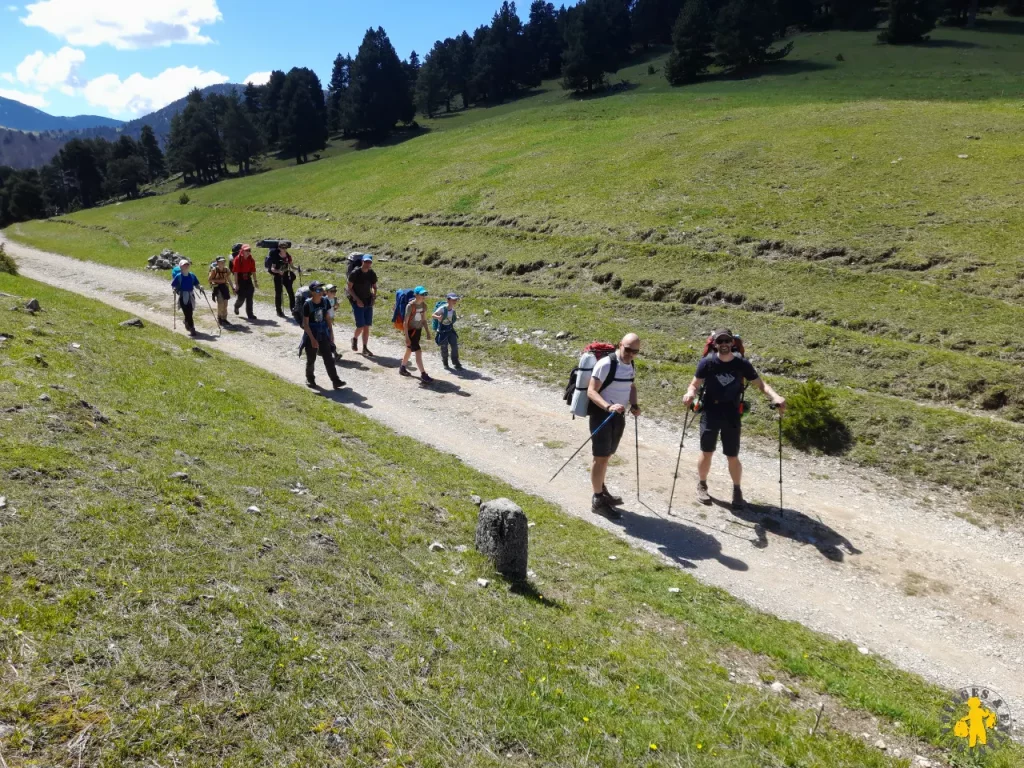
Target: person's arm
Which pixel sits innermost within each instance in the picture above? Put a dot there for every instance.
(409, 309)
(373, 292)
(634, 408)
(691, 391)
(439, 314)
(778, 401)
(213, 273)
(330, 325)
(594, 393)
(175, 282)
(305, 327)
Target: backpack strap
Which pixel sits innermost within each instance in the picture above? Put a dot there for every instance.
(613, 366)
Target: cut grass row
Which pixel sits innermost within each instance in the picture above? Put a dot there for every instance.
(153, 619)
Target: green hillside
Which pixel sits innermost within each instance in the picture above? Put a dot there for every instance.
(822, 209)
(279, 604)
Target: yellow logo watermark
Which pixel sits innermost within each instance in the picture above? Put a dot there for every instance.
(978, 719)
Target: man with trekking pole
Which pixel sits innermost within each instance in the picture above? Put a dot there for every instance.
(611, 391)
(184, 285)
(718, 389)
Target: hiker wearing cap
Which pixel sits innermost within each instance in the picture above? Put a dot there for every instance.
(415, 327)
(220, 279)
(318, 335)
(244, 269)
(282, 268)
(444, 324)
(184, 285)
(612, 390)
(722, 378)
(362, 293)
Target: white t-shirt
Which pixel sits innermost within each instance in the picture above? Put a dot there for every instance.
(616, 393)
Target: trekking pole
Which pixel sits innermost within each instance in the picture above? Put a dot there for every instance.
(174, 311)
(679, 456)
(636, 430)
(599, 428)
(212, 313)
(781, 508)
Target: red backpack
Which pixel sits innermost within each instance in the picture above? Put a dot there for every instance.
(737, 346)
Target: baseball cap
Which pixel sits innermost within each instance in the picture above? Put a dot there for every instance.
(316, 285)
(367, 257)
(219, 258)
(330, 287)
(452, 296)
(419, 290)
(183, 262)
(721, 332)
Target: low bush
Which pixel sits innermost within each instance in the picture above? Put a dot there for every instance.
(811, 420)
(7, 264)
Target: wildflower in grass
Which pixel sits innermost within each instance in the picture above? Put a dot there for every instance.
(699, 745)
(586, 719)
(654, 747)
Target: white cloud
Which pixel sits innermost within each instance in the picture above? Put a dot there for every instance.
(124, 24)
(58, 70)
(32, 99)
(258, 78)
(138, 94)
(8, 77)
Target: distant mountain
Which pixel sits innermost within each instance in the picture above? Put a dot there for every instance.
(160, 121)
(22, 117)
(21, 150)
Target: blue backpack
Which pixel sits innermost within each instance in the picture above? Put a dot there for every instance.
(435, 324)
(402, 299)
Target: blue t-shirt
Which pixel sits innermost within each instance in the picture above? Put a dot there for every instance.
(723, 382)
(187, 282)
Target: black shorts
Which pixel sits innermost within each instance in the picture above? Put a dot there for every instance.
(414, 339)
(712, 425)
(606, 442)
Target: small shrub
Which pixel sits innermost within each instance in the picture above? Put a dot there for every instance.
(811, 420)
(7, 265)
(651, 70)
(184, 199)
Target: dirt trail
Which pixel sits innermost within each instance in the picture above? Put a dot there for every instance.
(856, 555)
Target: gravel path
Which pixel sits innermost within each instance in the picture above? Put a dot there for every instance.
(857, 555)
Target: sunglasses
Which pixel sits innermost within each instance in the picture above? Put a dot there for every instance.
(723, 340)
(631, 350)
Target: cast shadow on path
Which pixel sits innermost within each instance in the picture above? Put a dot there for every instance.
(344, 396)
(676, 541)
(792, 524)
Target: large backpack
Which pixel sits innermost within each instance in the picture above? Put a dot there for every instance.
(301, 296)
(737, 346)
(579, 378)
(739, 349)
(402, 298)
(272, 255)
(435, 325)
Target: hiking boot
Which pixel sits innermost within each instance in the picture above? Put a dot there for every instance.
(237, 310)
(251, 317)
(338, 383)
(445, 364)
(280, 313)
(738, 504)
(355, 345)
(426, 379)
(702, 492)
(403, 371)
(311, 383)
(367, 352)
(616, 500)
(600, 505)
(458, 366)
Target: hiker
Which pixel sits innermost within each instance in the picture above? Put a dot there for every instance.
(722, 377)
(184, 285)
(282, 268)
(444, 327)
(611, 390)
(415, 327)
(318, 335)
(244, 267)
(220, 279)
(362, 293)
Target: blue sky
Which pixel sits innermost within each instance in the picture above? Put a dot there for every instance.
(124, 58)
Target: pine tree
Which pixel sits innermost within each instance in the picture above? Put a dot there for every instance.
(272, 108)
(242, 140)
(26, 200)
(379, 95)
(124, 175)
(154, 158)
(692, 36)
(463, 68)
(303, 128)
(909, 21)
(252, 97)
(124, 147)
(591, 46)
(544, 39)
(430, 87)
(337, 93)
(744, 32)
(502, 64)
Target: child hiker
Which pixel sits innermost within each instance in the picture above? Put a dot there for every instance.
(415, 327)
(446, 336)
(220, 279)
(184, 286)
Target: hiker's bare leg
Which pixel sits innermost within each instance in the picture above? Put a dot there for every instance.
(406, 356)
(598, 471)
(704, 466)
(419, 361)
(366, 334)
(735, 470)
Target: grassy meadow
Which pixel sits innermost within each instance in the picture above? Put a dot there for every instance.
(853, 212)
(280, 605)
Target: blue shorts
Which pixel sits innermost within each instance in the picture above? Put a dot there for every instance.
(363, 315)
